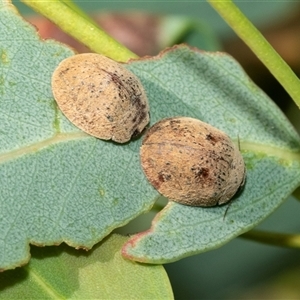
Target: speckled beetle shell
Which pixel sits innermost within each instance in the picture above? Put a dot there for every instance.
(101, 97)
(191, 162)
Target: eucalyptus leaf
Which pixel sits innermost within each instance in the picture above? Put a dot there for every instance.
(65, 273)
(61, 185)
(213, 88)
(58, 184)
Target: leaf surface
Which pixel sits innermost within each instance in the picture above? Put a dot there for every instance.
(57, 183)
(64, 273)
(61, 185)
(213, 88)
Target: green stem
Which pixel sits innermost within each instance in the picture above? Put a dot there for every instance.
(73, 21)
(260, 46)
(77, 9)
(273, 238)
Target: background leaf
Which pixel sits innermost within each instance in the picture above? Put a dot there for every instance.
(62, 272)
(57, 183)
(213, 87)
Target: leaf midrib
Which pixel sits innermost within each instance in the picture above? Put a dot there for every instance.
(35, 147)
(44, 285)
(256, 148)
(284, 154)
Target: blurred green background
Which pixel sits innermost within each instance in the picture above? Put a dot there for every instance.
(241, 269)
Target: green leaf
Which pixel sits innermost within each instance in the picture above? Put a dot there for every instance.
(178, 29)
(57, 183)
(213, 87)
(64, 273)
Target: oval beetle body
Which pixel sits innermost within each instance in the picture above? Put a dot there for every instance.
(101, 97)
(192, 162)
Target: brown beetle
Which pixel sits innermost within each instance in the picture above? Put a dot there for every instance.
(101, 97)
(192, 162)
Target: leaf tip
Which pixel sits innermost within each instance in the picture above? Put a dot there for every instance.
(128, 249)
